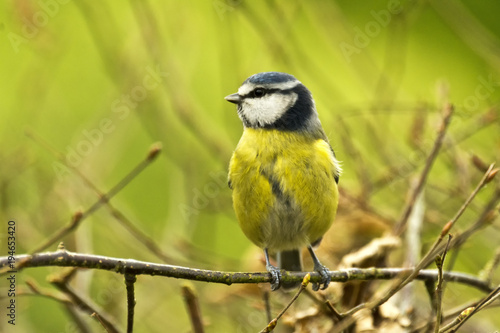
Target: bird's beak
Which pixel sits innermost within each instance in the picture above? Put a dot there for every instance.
(233, 98)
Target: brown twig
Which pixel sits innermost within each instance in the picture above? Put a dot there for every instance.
(61, 283)
(487, 216)
(401, 224)
(99, 319)
(439, 286)
(272, 324)
(406, 278)
(78, 217)
(461, 317)
(130, 280)
(472, 311)
(193, 307)
(405, 169)
(336, 315)
(70, 308)
(124, 221)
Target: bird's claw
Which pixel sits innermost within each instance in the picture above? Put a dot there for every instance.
(275, 276)
(325, 277)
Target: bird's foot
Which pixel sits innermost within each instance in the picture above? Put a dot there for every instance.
(275, 276)
(325, 277)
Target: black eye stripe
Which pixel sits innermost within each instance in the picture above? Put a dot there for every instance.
(268, 91)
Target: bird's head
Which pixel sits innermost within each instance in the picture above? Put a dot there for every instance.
(275, 100)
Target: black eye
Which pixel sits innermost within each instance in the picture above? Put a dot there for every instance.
(259, 92)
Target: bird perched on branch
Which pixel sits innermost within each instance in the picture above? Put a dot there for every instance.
(283, 173)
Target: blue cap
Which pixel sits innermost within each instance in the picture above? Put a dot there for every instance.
(270, 77)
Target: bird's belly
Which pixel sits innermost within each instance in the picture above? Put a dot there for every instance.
(285, 228)
(284, 190)
(284, 210)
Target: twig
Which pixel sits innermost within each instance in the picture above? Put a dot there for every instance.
(272, 324)
(484, 303)
(80, 216)
(61, 283)
(487, 216)
(136, 232)
(193, 307)
(489, 174)
(404, 170)
(490, 267)
(461, 317)
(36, 291)
(130, 280)
(439, 286)
(401, 224)
(267, 303)
(99, 319)
(407, 277)
(336, 315)
(122, 266)
(430, 287)
(68, 305)
(452, 313)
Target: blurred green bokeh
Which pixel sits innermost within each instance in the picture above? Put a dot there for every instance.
(101, 82)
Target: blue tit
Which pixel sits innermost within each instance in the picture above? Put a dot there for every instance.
(283, 172)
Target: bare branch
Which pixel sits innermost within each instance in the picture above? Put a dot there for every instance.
(80, 216)
(120, 217)
(61, 282)
(439, 286)
(65, 258)
(193, 307)
(272, 324)
(484, 303)
(129, 283)
(401, 224)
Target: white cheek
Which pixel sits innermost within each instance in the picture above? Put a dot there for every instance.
(268, 109)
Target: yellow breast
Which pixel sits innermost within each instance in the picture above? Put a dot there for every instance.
(284, 190)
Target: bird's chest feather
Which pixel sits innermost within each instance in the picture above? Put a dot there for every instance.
(284, 192)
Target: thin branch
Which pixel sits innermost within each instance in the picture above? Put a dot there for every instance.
(272, 324)
(35, 289)
(410, 275)
(99, 319)
(489, 269)
(336, 315)
(130, 280)
(429, 288)
(120, 217)
(80, 216)
(193, 307)
(403, 170)
(461, 317)
(439, 286)
(487, 216)
(401, 224)
(61, 283)
(71, 309)
(484, 303)
(267, 303)
(65, 258)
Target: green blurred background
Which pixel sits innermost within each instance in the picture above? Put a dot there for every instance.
(100, 82)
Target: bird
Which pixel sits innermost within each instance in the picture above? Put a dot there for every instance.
(283, 173)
